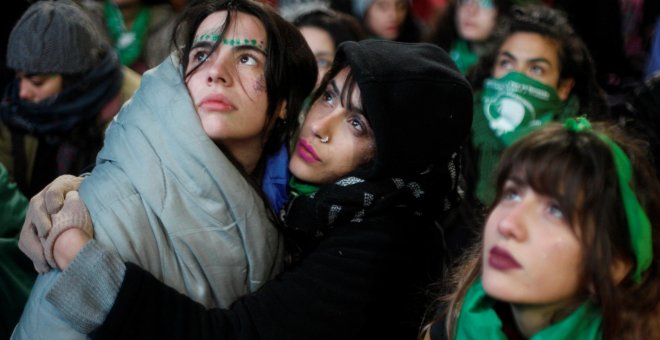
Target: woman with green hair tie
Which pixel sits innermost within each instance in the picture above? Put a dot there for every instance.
(569, 250)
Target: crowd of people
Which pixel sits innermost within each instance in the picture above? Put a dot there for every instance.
(330, 169)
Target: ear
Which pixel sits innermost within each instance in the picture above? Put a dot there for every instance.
(282, 110)
(564, 88)
(619, 269)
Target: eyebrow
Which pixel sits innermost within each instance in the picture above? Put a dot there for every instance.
(209, 44)
(248, 47)
(516, 179)
(533, 60)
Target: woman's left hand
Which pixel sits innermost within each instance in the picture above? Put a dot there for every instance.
(72, 228)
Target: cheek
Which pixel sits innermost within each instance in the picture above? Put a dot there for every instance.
(192, 84)
(259, 85)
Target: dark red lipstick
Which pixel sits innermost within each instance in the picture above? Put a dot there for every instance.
(501, 259)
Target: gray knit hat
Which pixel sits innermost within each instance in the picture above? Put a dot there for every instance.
(54, 37)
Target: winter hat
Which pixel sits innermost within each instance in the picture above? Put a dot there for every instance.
(54, 37)
(417, 102)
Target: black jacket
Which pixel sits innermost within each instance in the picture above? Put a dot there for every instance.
(365, 281)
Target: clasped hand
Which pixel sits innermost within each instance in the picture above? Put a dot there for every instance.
(57, 225)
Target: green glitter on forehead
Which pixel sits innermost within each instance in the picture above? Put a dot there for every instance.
(213, 37)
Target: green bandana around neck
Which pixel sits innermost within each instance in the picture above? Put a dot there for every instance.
(478, 320)
(639, 226)
(516, 103)
(127, 43)
(297, 187)
(461, 54)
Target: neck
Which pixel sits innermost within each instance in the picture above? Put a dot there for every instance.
(531, 319)
(479, 48)
(246, 155)
(129, 12)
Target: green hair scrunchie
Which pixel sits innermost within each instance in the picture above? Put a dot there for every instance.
(639, 226)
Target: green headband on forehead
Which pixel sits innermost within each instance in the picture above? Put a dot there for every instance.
(639, 225)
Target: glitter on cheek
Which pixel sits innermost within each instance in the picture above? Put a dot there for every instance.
(260, 84)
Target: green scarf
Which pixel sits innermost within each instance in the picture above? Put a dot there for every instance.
(478, 320)
(492, 132)
(297, 188)
(461, 54)
(127, 43)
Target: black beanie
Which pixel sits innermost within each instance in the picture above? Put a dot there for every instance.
(54, 37)
(417, 102)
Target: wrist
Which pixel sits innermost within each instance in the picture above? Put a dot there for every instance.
(68, 245)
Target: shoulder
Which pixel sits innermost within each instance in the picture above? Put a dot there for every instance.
(130, 84)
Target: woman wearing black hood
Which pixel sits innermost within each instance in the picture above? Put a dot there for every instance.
(364, 248)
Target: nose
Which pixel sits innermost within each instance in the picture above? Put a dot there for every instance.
(323, 125)
(513, 225)
(25, 90)
(219, 70)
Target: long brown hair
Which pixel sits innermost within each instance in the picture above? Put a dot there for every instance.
(577, 170)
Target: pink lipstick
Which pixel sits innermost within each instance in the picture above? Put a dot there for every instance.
(306, 152)
(501, 259)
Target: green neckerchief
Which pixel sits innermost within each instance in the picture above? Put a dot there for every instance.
(515, 103)
(128, 44)
(461, 54)
(489, 146)
(297, 188)
(478, 320)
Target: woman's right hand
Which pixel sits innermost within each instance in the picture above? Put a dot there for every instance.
(52, 211)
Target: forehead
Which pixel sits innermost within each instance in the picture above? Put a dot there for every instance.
(528, 45)
(340, 81)
(243, 26)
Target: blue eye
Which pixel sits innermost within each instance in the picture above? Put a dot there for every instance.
(200, 56)
(323, 63)
(510, 194)
(556, 211)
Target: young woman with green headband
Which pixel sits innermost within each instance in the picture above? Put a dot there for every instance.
(569, 250)
(538, 71)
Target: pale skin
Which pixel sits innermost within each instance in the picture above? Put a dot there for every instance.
(349, 140)
(37, 87)
(475, 20)
(546, 253)
(323, 47)
(535, 56)
(349, 143)
(229, 89)
(384, 17)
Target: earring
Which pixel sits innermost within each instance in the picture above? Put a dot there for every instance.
(325, 139)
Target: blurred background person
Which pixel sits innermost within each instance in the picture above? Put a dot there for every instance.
(17, 274)
(68, 86)
(387, 19)
(140, 31)
(466, 27)
(324, 29)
